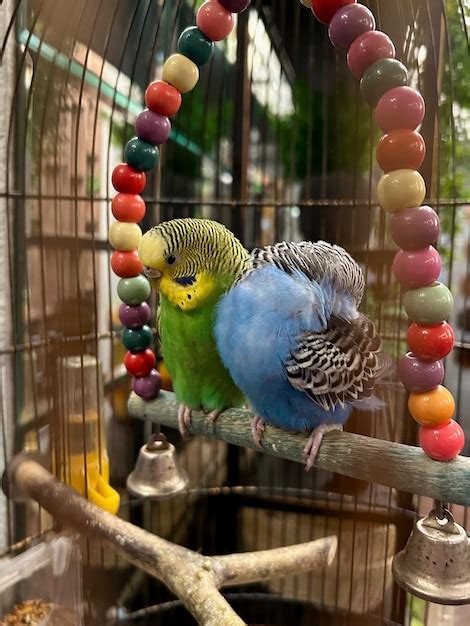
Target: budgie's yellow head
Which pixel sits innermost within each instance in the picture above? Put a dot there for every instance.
(187, 259)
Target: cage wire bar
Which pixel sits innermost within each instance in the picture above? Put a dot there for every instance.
(276, 143)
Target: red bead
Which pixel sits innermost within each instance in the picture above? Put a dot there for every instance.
(140, 363)
(214, 20)
(442, 443)
(163, 98)
(128, 180)
(128, 207)
(324, 10)
(126, 264)
(431, 343)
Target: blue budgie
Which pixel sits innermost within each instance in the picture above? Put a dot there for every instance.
(291, 336)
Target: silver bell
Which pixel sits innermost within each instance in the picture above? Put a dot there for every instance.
(157, 474)
(435, 564)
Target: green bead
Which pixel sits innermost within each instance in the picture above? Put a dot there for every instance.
(140, 155)
(381, 77)
(134, 290)
(429, 305)
(137, 340)
(196, 46)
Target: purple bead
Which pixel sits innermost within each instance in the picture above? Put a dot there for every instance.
(235, 6)
(152, 128)
(415, 228)
(419, 375)
(417, 268)
(147, 387)
(134, 316)
(349, 23)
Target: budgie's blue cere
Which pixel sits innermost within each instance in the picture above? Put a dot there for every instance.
(291, 336)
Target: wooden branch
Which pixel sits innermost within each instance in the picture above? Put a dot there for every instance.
(194, 578)
(403, 467)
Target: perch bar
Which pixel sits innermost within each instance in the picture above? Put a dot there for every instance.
(403, 467)
(192, 577)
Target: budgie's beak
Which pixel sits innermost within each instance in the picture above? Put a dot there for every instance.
(152, 273)
(151, 255)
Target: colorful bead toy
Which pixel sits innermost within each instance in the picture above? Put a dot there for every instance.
(399, 111)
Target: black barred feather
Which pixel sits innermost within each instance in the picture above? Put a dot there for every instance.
(339, 365)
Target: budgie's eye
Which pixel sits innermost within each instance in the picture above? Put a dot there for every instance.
(171, 259)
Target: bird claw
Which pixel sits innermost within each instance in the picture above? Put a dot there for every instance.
(314, 442)
(257, 430)
(184, 420)
(214, 415)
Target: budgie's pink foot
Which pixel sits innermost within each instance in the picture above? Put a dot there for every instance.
(257, 430)
(314, 442)
(184, 420)
(213, 416)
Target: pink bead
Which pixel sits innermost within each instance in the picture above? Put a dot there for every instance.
(442, 443)
(401, 107)
(367, 49)
(417, 268)
(214, 20)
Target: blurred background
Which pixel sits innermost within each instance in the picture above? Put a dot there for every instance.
(276, 143)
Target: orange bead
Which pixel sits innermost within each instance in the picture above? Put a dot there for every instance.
(401, 149)
(432, 408)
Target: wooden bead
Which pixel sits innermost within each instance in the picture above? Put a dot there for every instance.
(140, 155)
(133, 291)
(127, 180)
(442, 443)
(382, 76)
(402, 107)
(128, 207)
(417, 268)
(137, 339)
(180, 72)
(415, 228)
(429, 305)
(126, 264)
(367, 49)
(401, 149)
(432, 408)
(431, 342)
(140, 363)
(163, 98)
(214, 20)
(348, 23)
(195, 46)
(125, 236)
(401, 189)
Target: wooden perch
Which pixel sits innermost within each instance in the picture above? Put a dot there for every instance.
(405, 468)
(194, 578)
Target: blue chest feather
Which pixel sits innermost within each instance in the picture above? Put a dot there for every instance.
(257, 327)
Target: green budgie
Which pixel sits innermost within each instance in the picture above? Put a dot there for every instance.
(192, 263)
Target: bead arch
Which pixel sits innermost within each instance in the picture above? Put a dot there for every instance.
(399, 111)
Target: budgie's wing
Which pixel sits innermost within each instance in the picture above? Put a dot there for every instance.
(339, 365)
(319, 261)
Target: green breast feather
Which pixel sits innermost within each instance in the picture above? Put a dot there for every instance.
(199, 378)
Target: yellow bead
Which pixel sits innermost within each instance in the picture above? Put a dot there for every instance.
(432, 408)
(125, 236)
(401, 189)
(180, 72)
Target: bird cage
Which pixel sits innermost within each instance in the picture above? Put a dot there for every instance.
(277, 144)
